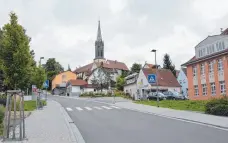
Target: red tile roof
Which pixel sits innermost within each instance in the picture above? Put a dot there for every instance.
(107, 64)
(165, 77)
(77, 82)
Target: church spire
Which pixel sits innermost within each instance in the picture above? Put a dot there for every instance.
(99, 37)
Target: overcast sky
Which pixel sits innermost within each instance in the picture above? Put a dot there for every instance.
(66, 29)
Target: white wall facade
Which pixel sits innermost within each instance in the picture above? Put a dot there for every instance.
(131, 89)
(183, 81)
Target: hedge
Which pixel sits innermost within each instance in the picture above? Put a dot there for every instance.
(217, 106)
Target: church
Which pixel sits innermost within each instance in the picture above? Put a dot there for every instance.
(113, 67)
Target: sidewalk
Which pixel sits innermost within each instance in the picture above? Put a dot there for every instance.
(48, 125)
(217, 121)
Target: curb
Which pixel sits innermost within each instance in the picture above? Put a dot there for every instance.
(165, 116)
(75, 135)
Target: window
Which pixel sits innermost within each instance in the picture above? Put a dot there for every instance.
(217, 46)
(204, 51)
(211, 65)
(220, 46)
(223, 45)
(222, 87)
(204, 87)
(220, 65)
(213, 89)
(213, 47)
(194, 71)
(196, 90)
(202, 69)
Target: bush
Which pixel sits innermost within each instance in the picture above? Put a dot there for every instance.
(3, 99)
(2, 114)
(217, 106)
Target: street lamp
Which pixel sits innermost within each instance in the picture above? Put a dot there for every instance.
(154, 51)
(40, 60)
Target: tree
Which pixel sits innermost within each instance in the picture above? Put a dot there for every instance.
(69, 69)
(15, 54)
(136, 68)
(52, 68)
(32, 53)
(101, 79)
(120, 83)
(38, 77)
(1, 72)
(167, 64)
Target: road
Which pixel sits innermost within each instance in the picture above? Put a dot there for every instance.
(102, 123)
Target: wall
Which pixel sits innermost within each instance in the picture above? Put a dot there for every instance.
(183, 81)
(131, 89)
(58, 78)
(217, 84)
(88, 90)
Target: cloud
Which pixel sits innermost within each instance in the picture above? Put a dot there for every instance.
(130, 28)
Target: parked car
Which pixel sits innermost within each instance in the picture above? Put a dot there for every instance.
(153, 96)
(173, 95)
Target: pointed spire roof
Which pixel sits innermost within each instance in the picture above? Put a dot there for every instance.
(99, 37)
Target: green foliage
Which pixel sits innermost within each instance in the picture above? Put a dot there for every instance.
(2, 114)
(136, 68)
(15, 54)
(38, 76)
(178, 104)
(217, 106)
(167, 64)
(120, 83)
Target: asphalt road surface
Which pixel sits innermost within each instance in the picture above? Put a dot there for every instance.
(102, 123)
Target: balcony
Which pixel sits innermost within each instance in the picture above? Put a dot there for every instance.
(221, 75)
(203, 79)
(195, 80)
(211, 77)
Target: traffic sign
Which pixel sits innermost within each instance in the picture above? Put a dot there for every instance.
(152, 78)
(46, 84)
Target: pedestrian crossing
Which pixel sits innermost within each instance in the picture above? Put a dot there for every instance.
(86, 108)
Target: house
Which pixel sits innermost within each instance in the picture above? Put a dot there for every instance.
(59, 81)
(112, 65)
(166, 82)
(207, 71)
(130, 86)
(183, 81)
(74, 87)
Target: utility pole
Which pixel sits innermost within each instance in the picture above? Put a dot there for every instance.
(156, 76)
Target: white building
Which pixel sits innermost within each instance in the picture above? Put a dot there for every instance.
(166, 82)
(130, 86)
(76, 87)
(183, 81)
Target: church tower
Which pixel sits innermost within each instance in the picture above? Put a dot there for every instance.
(99, 46)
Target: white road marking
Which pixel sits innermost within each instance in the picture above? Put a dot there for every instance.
(99, 108)
(79, 109)
(106, 107)
(88, 108)
(115, 107)
(69, 109)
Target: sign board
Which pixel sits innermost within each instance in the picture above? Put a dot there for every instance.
(152, 78)
(46, 84)
(34, 88)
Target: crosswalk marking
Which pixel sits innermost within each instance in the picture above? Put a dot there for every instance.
(88, 108)
(115, 107)
(79, 109)
(106, 107)
(69, 109)
(97, 108)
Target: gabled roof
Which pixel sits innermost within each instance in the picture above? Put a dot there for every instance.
(77, 82)
(208, 57)
(107, 64)
(165, 77)
(210, 39)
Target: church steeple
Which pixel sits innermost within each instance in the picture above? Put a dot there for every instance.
(99, 37)
(99, 45)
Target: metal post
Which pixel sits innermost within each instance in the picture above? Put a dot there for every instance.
(14, 118)
(10, 105)
(23, 116)
(156, 79)
(6, 117)
(46, 95)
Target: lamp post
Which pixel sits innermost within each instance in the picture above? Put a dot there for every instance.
(154, 51)
(41, 58)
